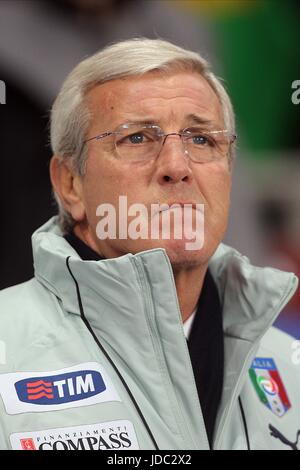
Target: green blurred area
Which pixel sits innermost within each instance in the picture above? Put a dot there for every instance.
(258, 45)
(261, 51)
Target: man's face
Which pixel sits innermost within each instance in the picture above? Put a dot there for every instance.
(169, 178)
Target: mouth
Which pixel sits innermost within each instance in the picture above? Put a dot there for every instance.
(158, 208)
(180, 204)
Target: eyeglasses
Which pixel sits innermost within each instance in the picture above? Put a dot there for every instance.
(141, 142)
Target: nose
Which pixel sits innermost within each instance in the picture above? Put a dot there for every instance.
(173, 164)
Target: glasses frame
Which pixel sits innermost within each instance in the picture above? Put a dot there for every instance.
(184, 134)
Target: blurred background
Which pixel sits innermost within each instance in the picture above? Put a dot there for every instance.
(252, 44)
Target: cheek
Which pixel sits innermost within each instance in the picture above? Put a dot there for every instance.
(105, 180)
(96, 187)
(216, 184)
(222, 190)
(101, 180)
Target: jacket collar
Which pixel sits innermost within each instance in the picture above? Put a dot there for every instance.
(251, 297)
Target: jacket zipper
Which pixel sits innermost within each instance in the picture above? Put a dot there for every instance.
(142, 276)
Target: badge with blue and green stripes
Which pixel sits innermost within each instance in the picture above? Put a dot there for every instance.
(269, 386)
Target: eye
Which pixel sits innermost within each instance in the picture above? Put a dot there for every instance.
(200, 139)
(137, 138)
(203, 140)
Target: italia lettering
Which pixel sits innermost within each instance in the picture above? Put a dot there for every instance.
(74, 386)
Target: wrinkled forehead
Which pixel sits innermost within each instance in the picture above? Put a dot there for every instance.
(168, 99)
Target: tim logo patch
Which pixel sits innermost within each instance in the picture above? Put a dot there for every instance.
(81, 385)
(63, 388)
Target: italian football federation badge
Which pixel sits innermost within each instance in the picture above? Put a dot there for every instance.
(268, 385)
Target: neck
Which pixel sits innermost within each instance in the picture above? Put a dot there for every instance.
(81, 231)
(188, 286)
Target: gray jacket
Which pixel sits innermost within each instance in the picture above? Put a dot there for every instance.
(94, 355)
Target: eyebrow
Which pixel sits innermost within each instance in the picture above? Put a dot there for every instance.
(191, 118)
(195, 119)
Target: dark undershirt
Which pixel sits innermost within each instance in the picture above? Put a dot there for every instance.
(205, 342)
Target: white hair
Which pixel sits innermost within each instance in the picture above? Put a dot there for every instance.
(70, 116)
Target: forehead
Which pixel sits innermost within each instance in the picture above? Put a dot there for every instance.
(164, 99)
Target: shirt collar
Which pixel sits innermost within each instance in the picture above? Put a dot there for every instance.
(187, 325)
(85, 252)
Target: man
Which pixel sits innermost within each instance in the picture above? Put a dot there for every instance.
(124, 341)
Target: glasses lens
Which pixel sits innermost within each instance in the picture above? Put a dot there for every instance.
(136, 142)
(207, 146)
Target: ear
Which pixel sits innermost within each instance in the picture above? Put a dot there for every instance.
(68, 186)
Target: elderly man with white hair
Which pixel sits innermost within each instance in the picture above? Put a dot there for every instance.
(140, 328)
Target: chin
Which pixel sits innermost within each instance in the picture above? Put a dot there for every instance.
(181, 258)
(177, 253)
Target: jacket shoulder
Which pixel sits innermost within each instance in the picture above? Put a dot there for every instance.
(22, 299)
(282, 346)
(276, 340)
(27, 311)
